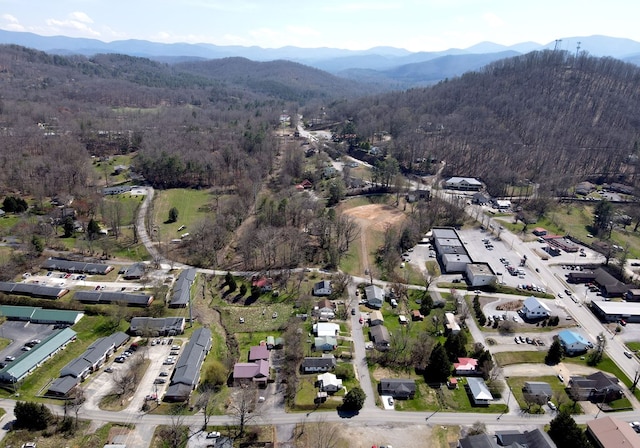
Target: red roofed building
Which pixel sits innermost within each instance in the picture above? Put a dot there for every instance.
(466, 366)
(247, 372)
(262, 282)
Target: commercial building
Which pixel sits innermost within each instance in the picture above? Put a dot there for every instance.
(573, 343)
(480, 274)
(463, 183)
(28, 362)
(609, 432)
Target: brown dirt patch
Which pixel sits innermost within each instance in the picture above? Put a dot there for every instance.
(514, 305)
(377, 216)
(117, 433)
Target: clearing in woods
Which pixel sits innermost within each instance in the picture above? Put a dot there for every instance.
(373, 220)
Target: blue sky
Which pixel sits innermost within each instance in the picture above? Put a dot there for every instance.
(416, 25)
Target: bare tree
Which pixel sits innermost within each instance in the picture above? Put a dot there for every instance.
(242, 407)
(176, 434)
(206, 404)
(318, 434)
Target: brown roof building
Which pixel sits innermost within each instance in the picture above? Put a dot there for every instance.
(609, 432)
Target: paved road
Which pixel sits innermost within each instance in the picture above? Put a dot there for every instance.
(360, 355)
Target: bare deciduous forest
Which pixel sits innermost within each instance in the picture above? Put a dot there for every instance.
(546, 117)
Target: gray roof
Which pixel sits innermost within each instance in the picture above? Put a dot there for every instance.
(375, 293)
(536, 438)
(479, 389)
(97, 297)
(478, 441)
(315, 361)
(397, 384)
(94, 354)
(182, 288)
(32, 289)
(178, 392)
(537, 388)
(62, 386)
(159, 325)
(380, 334)
(187, 371)
(134, 271)
(57, 264)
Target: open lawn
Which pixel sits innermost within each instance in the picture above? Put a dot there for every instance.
(192, 205)
(444, 436)
(82, 437)
(305, 398)
(256, 318)
(105, 170)
(508, 358)
(7, 222)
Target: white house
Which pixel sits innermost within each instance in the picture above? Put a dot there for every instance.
(534, 308)
(572, 342)
(375, 296)
(479, 391)
(328, 382)
(450, 323)
(322, 288)
(326, 329)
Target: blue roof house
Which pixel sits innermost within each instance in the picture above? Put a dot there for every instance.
(573, 343)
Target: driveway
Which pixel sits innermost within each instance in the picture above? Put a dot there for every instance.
(360, 355)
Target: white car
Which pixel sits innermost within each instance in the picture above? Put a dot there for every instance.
(213, 435)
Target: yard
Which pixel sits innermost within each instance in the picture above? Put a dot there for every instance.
(559, 396)
(192, 206)
(306, 396)
(83, 438)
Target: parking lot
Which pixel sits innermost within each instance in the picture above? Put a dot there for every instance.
(19, 333)
(102, 383)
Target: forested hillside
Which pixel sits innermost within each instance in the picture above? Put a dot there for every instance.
(545, 116)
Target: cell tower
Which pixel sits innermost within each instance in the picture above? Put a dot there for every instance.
(555, 47)
(578, 49)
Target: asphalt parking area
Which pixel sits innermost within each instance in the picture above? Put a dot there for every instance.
(19, 333)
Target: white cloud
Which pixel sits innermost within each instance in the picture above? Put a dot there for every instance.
(492, 20)
(12, 23)
(361, 6)
(80, 17)
(76, 23)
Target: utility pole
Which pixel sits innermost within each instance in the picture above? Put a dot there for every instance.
(578, 49)
(555, 47)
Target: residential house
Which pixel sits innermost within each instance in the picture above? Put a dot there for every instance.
(451, 326)
(481, 198)
(463, 183)
(325, 309)
(258, 352)
(328, 382)
(398, 387)
(573, 343)
(537, 391)
(584, 188)
(610, 432)
(326, 329)
(251, 372)
(534, 308)
(466, 366)
(182, 289)
(325, 343)
(313, 364)
(480, 394)
(597, 387)
(322, 289)
(264, 283)
(376, 318)
(374, 296)
(134, 272)
(380, 337)
(94, 356)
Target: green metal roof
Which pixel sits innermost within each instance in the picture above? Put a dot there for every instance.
(17, 312)
(29, 361)
(40, 314)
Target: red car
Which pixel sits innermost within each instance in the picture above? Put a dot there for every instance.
(361, 320)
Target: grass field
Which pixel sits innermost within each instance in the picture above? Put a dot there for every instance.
(105, 170)
(305, 398)
(82, 437)
(192, 205)
(444, 436)
(508, 358)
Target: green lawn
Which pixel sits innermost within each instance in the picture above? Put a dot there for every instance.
(508, 358)
(192, 205)
(254, 319)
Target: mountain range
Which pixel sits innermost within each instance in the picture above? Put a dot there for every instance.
(385, 66)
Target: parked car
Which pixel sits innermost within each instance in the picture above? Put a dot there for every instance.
(9, 358)
(163, 373)
(552, 406)
(628, 354)
(622, 322)
(26, 348)
(159, 381)
(517, 340)
(353, 311)
(390, 401)
(109, 369)
(213, 435)
(120, 359)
